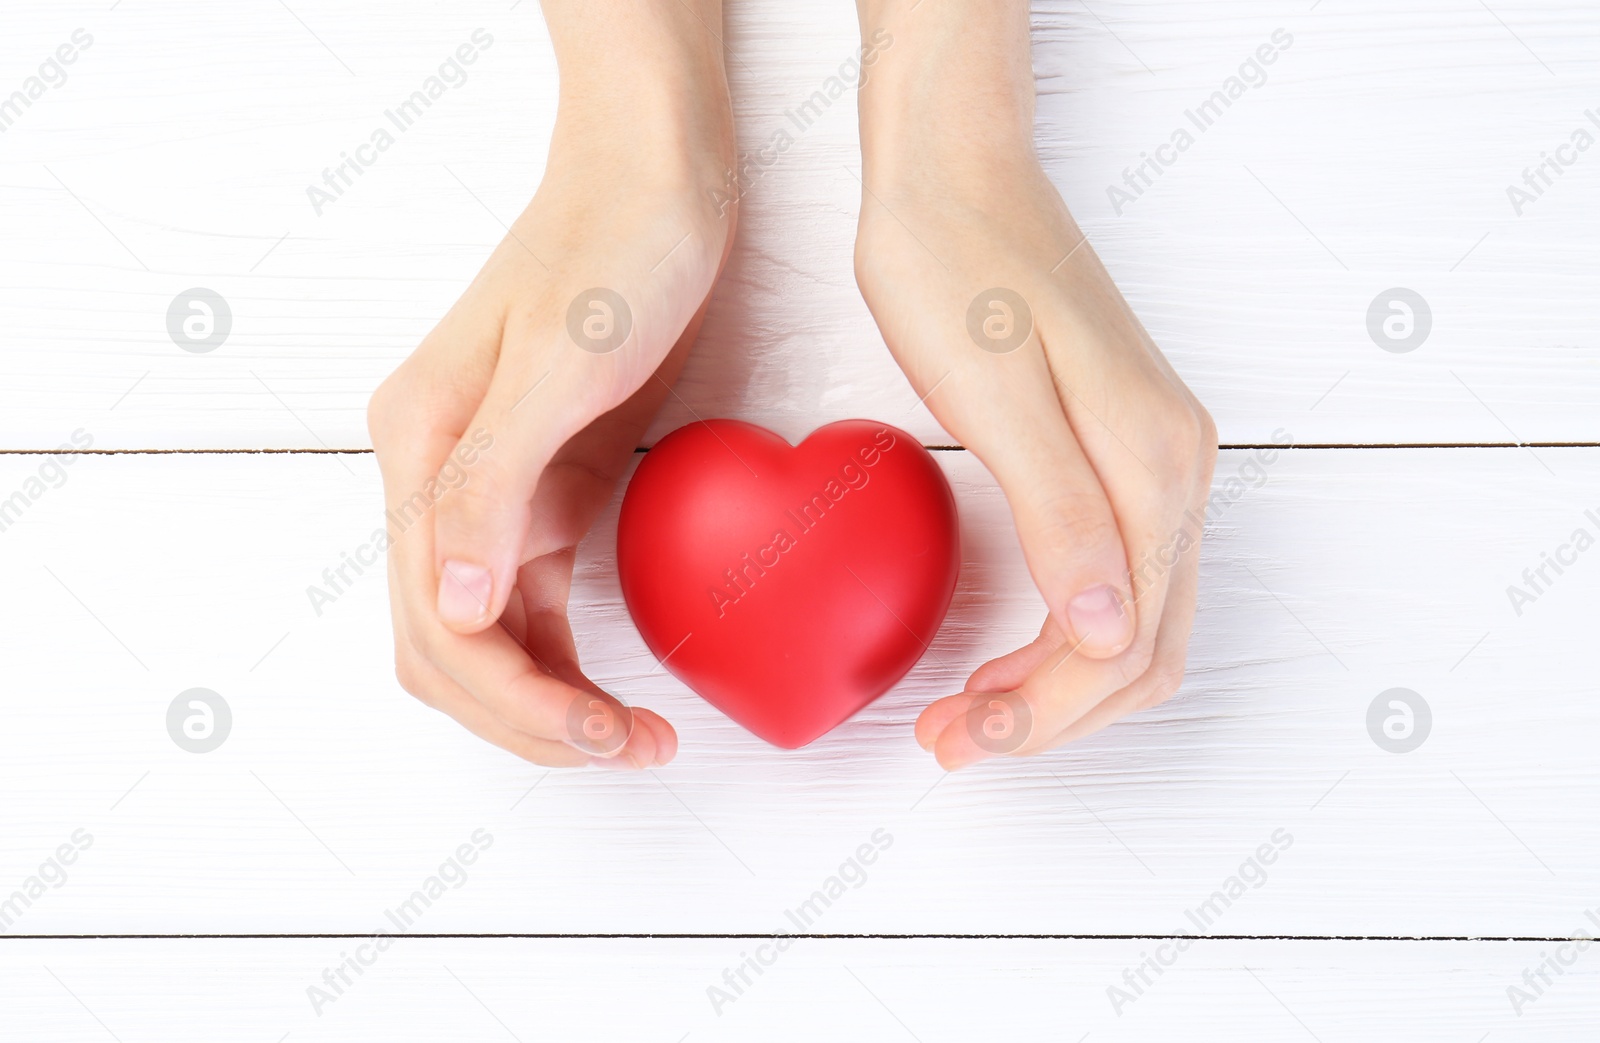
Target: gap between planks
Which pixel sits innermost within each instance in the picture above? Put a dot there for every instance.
(751, 936)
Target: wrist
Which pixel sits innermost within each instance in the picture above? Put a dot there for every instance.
(950, 86)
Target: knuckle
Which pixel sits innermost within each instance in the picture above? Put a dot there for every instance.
(1076, 526)
(1181, 437)
(1206, 455)
(1181, 440)
(410, 403)
(1208, 433)
(409, 673)
(384, 410)
(861, 263)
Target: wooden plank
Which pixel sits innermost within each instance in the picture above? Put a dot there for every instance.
(1376, 154)
(638, 989)
(1335, 577)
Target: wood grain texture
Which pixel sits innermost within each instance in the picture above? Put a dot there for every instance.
(1376, 154)
(847, 990)
(1342, 574)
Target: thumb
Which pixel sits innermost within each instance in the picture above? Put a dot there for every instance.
(486, 506)
(1068, 530)
(543, 393)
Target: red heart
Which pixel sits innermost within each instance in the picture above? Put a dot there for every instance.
(788, 585)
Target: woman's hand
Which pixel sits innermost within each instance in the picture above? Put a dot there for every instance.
(500, 439)
(1011, 330)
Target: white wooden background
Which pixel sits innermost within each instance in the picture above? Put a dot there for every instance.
(1418, 887)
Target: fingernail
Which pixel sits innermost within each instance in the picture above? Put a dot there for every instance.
(1099, 622)
(464, 590)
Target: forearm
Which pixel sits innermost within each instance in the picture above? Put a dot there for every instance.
(956, 79)
(641, 80)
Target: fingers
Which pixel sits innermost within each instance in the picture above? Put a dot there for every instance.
(665, 735)
(491, 682)
(1155, 478)
(1069, 532)
(654, 742)
(938, 716)
(434, 689)
(1156, 472)
(525, 674)
(1162, 680)
(481, 528)
(997, 675)
(1005, 673)
(500, 679)
(1061, 689)
(578, 482)
(416, 419)
(594, 722)
(1064, 696)
(535, 485)
(528, 698)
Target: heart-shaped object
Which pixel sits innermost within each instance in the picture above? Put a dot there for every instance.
(788, 585)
